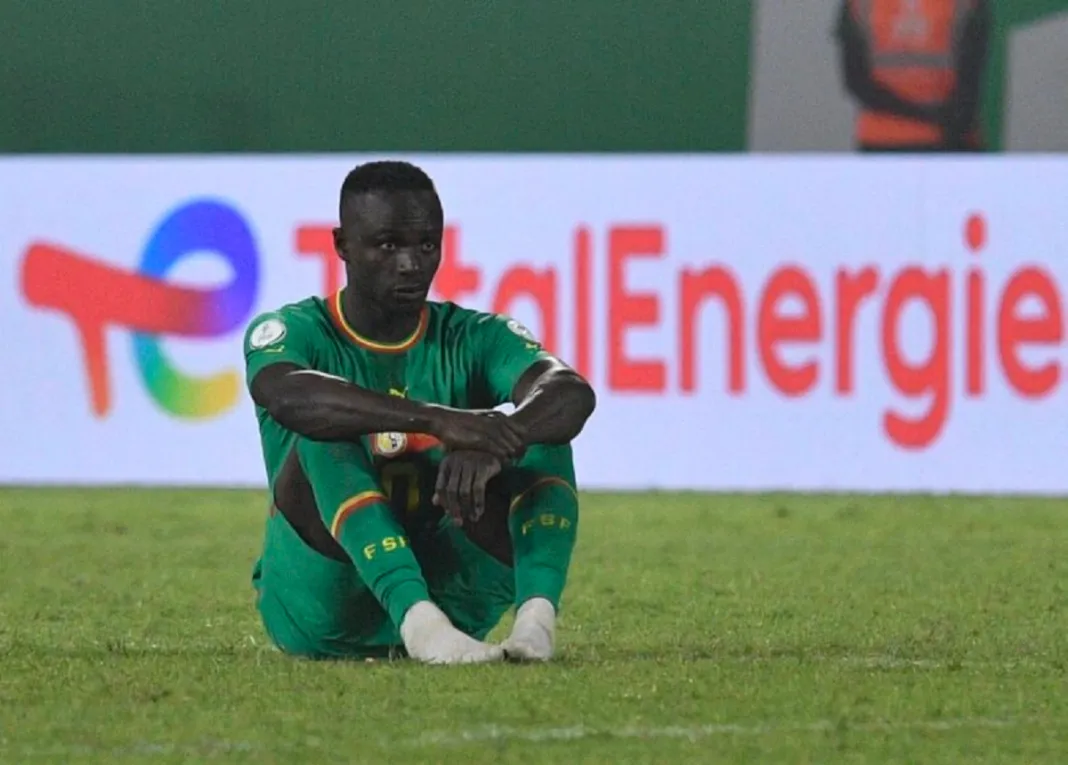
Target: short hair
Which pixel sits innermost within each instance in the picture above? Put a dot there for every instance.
(386, 175)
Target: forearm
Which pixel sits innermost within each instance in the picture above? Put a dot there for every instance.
(325, 408)
(555, 410)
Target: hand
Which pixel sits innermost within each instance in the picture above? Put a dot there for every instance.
(486, 431)
(461, 485)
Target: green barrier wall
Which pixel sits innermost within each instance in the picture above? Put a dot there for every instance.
(445, 75)
(403, 75)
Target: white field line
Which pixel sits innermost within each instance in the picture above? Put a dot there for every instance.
(886, 661)
(494, 733)
(210, 749)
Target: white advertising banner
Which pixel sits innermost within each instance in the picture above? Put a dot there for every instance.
(749, 323)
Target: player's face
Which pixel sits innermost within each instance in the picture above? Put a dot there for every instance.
(391, 244)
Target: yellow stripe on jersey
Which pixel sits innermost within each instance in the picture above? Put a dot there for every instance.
(539, 484)
(338, 315)
(351, 505)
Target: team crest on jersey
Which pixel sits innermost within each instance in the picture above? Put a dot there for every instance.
(390, 444)
(398, 444)
(522, 331)
(268, 332)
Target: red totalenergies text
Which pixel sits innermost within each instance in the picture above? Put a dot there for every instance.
(827, 318)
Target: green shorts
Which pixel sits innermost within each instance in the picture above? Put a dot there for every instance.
(318, 607)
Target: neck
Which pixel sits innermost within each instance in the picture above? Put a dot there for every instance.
(374, 322)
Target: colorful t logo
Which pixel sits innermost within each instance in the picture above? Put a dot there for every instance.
(95, 296)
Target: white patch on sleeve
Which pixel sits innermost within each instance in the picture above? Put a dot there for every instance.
(268, 332)
(522, 331)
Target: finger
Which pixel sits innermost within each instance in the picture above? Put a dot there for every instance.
(478, 500)
(452, 490)
(515, 444)
(439, 485)
(495, 448)
(446, 471)
(515, 427)
(485, 436)
(510, 423)
(499, 446)
(487, 472)
(467, 488)
(506, 428)
(510, 442)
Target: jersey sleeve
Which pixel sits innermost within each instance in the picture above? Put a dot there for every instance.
(276, 337)
(504, 349)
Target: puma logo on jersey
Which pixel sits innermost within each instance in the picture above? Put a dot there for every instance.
(398, 392)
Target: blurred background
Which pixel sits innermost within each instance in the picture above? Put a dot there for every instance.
(671, 195)
(603, 75)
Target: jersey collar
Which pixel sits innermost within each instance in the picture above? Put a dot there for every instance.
(334, 307)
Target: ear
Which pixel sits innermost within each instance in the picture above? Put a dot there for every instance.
(339, 242)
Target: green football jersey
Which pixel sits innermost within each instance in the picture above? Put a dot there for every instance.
(456, 357)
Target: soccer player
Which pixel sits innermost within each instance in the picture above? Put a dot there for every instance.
(407, 514)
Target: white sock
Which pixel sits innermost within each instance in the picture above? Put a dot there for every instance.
(533, 633)
(430, 637)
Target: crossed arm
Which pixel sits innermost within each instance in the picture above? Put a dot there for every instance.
(552, 403)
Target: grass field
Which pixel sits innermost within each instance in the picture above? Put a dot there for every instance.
(697, 629)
